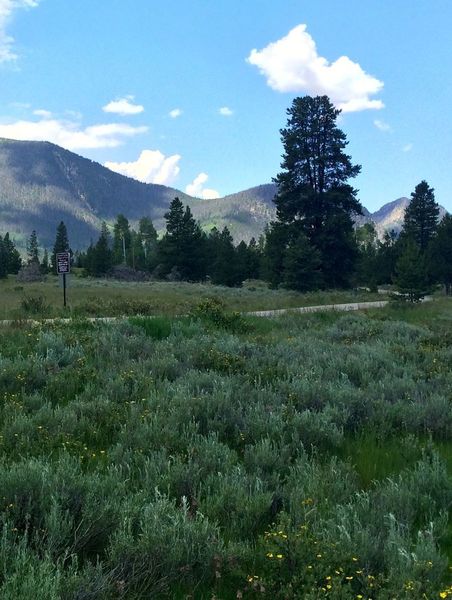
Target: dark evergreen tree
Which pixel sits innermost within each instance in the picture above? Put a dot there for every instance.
(32, 248)
(61, 243)
(224, 269)
(122, 238)
(254, 260)
(302, 265)
(314, 196)
(440, 254)
(85, 260)
(100, 257)
(388, 252)
(183, 247)
(367, 272)
(45, 266)
(241, 261)
(79, 259)
(247, 260)
(3, 260)
(411, 273)
(421, 216)
(14, 262)
(338, 250)
(277, 237)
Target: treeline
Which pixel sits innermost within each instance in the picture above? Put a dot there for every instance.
(418, 258)
(185, 252)
(11, 262)
(415, 260)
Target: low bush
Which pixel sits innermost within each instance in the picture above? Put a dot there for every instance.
(212, 311)
(35, 305)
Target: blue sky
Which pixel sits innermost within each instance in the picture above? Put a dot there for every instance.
(192, 93)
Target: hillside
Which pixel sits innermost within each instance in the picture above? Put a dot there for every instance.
(245, 213)
(42, 184)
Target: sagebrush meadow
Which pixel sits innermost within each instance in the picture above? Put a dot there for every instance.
(217, 456)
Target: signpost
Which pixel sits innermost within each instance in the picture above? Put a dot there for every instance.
(63, 261)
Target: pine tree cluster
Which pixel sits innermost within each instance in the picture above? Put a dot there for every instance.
(184, 252)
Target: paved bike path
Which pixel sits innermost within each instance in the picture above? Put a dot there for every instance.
(256, 313)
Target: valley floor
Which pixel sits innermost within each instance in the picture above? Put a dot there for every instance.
(104, 297)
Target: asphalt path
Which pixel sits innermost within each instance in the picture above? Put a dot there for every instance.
(257, 313)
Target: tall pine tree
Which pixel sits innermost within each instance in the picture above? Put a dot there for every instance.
(411, 273)
(14, 261)
(440, 254)
(302, 265)
(183, 247)
(61, 243)
(421, 216)
(100, 258)
(222, 258)
(276, 241)
(32, 248)
(3, 260)
(314, 196)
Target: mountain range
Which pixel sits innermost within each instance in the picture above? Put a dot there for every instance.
(42, 184)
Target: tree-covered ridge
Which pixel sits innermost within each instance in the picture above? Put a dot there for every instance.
(42, 183)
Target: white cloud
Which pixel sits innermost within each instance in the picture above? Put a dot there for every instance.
(151, 167)
(292, 64)
(124, 107)
(176, 112)
(69, 133)
(407, 148)
(45, 114)
(382, 125)
(7, 7)
(197, 190)
(226, 111)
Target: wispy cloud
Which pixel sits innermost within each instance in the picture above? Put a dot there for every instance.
(7, 8)
(382, 125)
(20, 105)
(196, 188)
(124, 107)
(225, 111)
(292, 64)
(176, 112)
(41, 112)
(69, 133)
(407, 148)
(151, 167)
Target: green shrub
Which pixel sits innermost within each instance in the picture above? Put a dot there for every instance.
(161, 547)
(157, 328)
(35, 305)
(212, 311)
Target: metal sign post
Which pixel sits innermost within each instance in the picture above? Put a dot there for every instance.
(63, 261)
